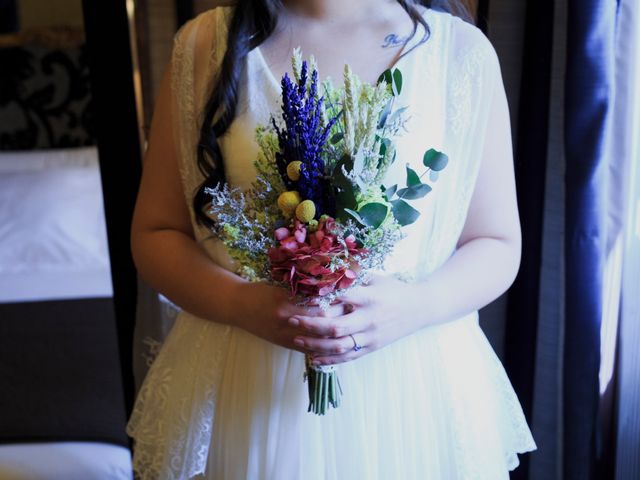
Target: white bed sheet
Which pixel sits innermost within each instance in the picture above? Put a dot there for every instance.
(65, 461)
(53, 242)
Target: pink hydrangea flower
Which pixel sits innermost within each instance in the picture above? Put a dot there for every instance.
(303, 258)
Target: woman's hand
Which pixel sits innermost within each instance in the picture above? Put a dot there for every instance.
(376, 315)
(264, 311)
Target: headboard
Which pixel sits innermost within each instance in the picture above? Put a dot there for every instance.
(45, 97)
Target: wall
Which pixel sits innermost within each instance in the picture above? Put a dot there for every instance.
(57, 12)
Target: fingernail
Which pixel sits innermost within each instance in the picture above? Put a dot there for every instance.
(298, 342)
(294, 322)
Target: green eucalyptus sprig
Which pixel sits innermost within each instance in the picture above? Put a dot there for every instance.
(360, 194)
(404, 213)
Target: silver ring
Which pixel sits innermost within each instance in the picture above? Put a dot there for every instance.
(356, 347)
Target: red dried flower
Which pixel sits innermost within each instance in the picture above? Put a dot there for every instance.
(303, 258)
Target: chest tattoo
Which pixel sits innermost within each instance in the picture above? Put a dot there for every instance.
(393, 40)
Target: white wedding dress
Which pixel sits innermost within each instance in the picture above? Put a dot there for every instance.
(220, 403)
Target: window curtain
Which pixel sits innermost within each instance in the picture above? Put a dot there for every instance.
(625, 376)
(570, 343)
(590, 231)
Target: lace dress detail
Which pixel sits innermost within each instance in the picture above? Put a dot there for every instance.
(466, 78)
(220, 403)
(183, 105)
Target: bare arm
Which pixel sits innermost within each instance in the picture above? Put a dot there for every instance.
(164, 250)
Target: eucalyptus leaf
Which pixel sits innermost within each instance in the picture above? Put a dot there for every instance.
(397, 82)
(404, 213)
(433, 175)
(390, 192)
(355, 215)
(386, 76)
(412, 177)
(414, 192)
(373, 214)
(435, 160)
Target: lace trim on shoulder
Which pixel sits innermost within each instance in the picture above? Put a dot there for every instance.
(464, 81)
(190, 92)
(182, 86)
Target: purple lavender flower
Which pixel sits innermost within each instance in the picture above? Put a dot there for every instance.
(303, 138)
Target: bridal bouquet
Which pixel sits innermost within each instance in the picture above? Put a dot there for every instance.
(317, 219)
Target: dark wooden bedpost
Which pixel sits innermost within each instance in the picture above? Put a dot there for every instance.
(112, 84)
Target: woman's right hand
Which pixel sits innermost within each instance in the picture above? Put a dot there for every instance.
(264, 311)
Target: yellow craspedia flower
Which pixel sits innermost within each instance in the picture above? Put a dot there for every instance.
(293, 170)
(288, 201)
(306, 211)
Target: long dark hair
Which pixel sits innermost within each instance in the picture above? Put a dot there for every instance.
(252, 22)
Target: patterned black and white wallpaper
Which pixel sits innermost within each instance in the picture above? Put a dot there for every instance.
(45, 98)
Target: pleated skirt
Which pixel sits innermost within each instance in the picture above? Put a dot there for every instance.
(220, 403)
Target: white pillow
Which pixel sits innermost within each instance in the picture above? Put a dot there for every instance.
(51, 211)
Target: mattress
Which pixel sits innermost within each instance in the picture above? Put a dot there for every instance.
(65, 461)
(53, 241)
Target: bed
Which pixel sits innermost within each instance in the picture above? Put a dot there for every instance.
(62, 408)
(61, 402)
(53, 242)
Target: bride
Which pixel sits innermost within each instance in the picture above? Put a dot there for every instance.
(424, 394)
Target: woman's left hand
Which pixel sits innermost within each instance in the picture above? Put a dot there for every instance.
(380, 312)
